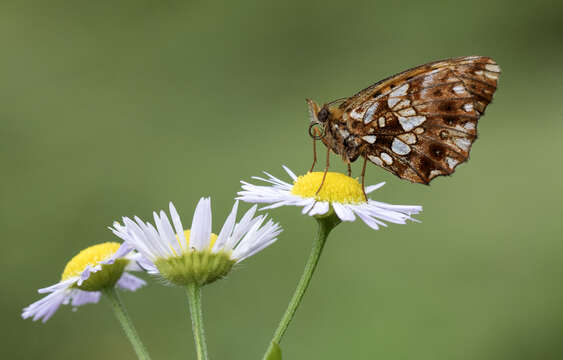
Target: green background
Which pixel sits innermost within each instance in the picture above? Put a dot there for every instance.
(115, 108)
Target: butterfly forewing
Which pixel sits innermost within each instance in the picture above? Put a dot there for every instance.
(420, 123)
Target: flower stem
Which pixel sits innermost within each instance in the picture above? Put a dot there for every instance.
(326, 224)
(194, 301)
(126, 324)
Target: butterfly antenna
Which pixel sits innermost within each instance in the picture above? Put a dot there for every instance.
(336, 101)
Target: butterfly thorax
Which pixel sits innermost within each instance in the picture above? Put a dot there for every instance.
(338, 135)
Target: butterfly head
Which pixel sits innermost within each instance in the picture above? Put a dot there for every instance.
(319, 118)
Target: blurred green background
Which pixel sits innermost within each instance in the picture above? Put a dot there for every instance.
(115, 108)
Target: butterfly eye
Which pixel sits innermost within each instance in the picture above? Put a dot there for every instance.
(323, 115)
(316, 131)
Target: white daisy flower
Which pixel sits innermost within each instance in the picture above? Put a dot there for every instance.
(85, 277)
(339, 193)
(196, 256)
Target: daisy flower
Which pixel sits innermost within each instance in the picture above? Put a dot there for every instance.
(85, 277)
(196, 256)
(339, 193)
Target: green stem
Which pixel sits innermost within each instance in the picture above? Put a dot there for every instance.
(194, 301)
(126, 323)
(326, 224)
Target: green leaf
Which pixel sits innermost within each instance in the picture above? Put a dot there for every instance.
(274, 353)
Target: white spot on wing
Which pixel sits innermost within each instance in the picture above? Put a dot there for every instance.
(357, 115)
(376, 160)
(407, 112)
(392, 102)
(381, 122)
(463, 143)
(459, 89)
(492, 67)
(434, 173)
(369, 138)
(400, 147)
(468, 107)
(409, 123)
(418, 131)
(451, 162)
(429, 78)
(400, 91)
(491, 75)
(402, 104)
(469, 125)
(387, 158)
(408, 138)
(368, 117)
(344, 133)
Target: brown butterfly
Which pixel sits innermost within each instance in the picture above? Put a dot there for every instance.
(417, 124)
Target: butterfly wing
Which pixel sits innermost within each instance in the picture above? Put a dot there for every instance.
(421, 123)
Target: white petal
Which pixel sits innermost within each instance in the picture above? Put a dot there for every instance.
(320, 208)
(178, 226)
(256, 250)
(59, 286)
(257, 240)
(130, 282)
(372, 188)
(371, 222)
(242, 227)
(343, 212)
(85, 274)
(163, 246)
(168, 232)
(227, 229)
(123, 251)
(139, 241)
(308, 206)
(289, 172)
(79, 297)
(277, 205)
(148, 266)
(201, 225)
(47, 306)
(249, 238)
(165, 233)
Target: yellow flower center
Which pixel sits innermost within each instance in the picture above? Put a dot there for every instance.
(212, 239)
(337, 187)
(89, 256)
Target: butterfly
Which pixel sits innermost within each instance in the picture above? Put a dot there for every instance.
(418, 124)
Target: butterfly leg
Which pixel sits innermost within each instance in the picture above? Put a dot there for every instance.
(326, 170)
(363, 177)
(314, 154)
(349, 169)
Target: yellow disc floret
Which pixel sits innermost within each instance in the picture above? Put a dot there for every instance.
(337, 187)
(104, 278)
(89, 256)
